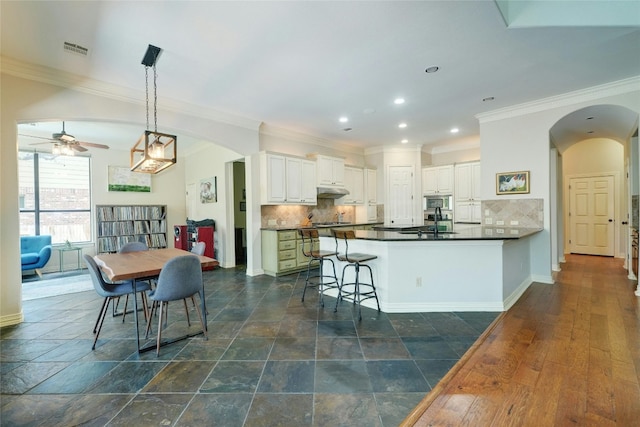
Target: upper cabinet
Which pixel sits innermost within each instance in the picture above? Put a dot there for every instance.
(467, 195)
(330, 171)
(437, 180)
(286, 179)
(371, 184)
(467, 180)
(354, 183)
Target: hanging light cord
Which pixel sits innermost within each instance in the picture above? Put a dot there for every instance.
(155, 96)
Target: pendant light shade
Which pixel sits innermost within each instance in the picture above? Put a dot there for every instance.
(154, 151)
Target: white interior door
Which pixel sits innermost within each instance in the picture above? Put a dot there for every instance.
(400, 209)
(191, 200)
(591, 215)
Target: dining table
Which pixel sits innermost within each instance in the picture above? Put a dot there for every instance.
(147, 265)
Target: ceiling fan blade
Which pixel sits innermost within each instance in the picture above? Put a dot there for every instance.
(36, 137)
(77, 147)
(92, 144)
(41, 143)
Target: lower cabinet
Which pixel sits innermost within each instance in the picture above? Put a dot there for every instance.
(282, 252)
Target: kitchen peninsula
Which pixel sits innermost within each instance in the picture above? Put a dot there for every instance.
(475, 269)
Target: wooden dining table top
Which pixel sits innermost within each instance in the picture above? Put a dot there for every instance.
(141, 264)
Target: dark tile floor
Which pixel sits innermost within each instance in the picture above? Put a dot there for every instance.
(270, 360)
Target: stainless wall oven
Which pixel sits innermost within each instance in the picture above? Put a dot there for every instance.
(445, 213)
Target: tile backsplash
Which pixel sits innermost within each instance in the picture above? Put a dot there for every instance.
(292, 215)
(514, 212)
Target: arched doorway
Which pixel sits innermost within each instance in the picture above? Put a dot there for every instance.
(595, 148)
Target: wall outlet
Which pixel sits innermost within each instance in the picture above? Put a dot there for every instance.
(272, 222)
(514, 222)
(499, 222)
(418, 282)
(283, 222)
(488, 221)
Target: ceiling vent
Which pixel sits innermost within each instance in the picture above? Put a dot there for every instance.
(75, 48)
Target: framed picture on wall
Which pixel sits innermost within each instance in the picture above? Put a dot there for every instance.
(120, 178)
(209, 190)
(512, 183)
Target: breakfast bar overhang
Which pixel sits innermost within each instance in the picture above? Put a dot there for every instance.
(479, 269)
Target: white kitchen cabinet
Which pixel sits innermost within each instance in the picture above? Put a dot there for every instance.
(309, 188)
(468, 211)
(467, 181)
(330, 171)
(285, 180)
(371, 184)
(354, 184)
(467, 193)
(437, 180)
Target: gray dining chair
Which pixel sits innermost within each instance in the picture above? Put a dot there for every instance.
(180, 278)
(126, 248)
(111, 291)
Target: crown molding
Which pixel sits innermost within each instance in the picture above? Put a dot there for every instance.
(462, 145)
(82, 84)
(278, 132)
(619, 87)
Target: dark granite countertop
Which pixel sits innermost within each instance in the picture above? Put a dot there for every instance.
(323, 225)
(472, 233)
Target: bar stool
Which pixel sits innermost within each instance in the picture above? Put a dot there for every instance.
(311, 249)
(354, 290)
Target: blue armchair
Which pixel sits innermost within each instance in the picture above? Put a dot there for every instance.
(35, 252)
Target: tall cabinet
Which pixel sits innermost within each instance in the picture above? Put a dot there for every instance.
(120, 224)
(467, 193)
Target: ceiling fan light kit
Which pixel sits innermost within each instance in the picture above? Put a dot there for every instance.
(65, 144)
(154, 151)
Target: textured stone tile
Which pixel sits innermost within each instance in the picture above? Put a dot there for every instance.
(152, 409)
(287, 377)
(228, 410)
(394, 407)
(180, 377)
(342, 376)
(25, 376)
(233, 377)
(75, 378)
(286, 348)
(338, 348)
(383, 348)
(396, 376)
(63, 410)
(249, 349)
(345, 410)
(267, 410)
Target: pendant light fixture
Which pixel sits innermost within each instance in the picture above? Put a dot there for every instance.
(154, 151)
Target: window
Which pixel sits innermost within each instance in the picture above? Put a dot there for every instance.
(55, 196)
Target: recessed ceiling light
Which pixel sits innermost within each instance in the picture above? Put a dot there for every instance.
(454, 130)
(488, 98)
(402, 125)
(343, 119)
(404, 141)
(432, 69)
(398, 101)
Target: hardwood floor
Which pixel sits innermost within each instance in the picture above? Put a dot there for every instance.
(564, 354)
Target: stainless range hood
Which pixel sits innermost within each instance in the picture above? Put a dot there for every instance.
(331, 192)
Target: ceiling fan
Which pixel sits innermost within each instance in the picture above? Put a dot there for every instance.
(65, 143)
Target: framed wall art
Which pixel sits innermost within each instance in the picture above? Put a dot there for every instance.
(209, 190)
(512, 183)
(120, 178)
